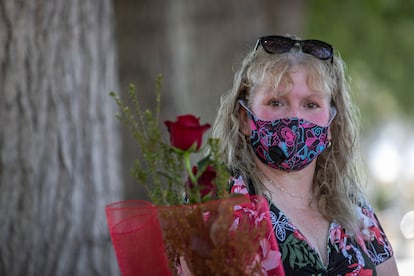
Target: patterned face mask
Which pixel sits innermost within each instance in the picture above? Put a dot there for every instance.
(288, 144)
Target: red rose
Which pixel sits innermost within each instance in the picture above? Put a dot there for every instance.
(205, 181)
(186, 132)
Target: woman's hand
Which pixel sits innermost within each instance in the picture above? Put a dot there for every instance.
(183, 269)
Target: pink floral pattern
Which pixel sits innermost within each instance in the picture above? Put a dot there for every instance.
(268, 254)
(348, 255)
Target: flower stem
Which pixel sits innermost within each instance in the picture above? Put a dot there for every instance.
(189, 169)
(193, 193)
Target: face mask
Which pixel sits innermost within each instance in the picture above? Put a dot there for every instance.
(288, 144)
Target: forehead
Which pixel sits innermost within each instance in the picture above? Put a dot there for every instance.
(274, 69)
(281, 81)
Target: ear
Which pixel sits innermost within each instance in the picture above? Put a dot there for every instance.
(244, 122)
(330, 136)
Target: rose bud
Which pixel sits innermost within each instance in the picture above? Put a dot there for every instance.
(186, 132)
(205, 181)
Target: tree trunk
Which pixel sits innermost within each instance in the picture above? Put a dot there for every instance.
(59, 140)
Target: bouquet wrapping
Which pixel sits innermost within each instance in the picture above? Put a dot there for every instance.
(231, 236)
(137, 238)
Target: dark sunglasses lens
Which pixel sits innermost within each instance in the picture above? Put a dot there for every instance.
(277, 44)
(317, 48)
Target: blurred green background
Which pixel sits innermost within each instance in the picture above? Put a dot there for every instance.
(376, 39)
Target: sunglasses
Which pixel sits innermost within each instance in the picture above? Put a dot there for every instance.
(276, 44)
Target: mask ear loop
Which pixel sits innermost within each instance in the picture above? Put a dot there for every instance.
(332, 114)
(249, 114)
(244, 105)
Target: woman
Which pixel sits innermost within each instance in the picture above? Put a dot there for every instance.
(288, 132)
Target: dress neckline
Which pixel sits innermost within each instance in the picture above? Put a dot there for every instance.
(293, 227)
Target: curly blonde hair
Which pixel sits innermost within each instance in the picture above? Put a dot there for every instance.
(336, 183)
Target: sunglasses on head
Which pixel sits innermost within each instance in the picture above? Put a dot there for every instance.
(276, 44)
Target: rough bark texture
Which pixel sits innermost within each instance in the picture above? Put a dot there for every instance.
(59, 163)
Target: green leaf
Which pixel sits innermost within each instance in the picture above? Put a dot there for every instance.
(203, 164)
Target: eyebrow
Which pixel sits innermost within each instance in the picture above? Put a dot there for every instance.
(317, 94)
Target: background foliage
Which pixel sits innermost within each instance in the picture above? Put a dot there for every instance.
(376, 39)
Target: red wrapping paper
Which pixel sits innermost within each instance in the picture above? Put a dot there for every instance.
(137, 238)
(233, 236)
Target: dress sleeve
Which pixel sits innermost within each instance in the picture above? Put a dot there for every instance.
(377, 246)
(268, 250)
(237, 186)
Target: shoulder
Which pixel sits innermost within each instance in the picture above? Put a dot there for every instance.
(238, 185)
(375, 241)
(367, 216)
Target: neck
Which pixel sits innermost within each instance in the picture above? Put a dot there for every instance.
(295, 184)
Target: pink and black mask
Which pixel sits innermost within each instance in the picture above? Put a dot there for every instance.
(288, 144)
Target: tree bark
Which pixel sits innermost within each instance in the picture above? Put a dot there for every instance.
(59, 152)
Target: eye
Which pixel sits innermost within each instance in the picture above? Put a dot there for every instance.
(275, 103)
(312, 105)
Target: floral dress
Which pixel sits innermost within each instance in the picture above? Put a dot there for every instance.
(348, 255)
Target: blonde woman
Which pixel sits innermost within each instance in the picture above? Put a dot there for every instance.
(288, 132)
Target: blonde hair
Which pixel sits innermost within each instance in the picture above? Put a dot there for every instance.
(336, 181)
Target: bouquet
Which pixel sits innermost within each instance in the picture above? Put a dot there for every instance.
(191, 225)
